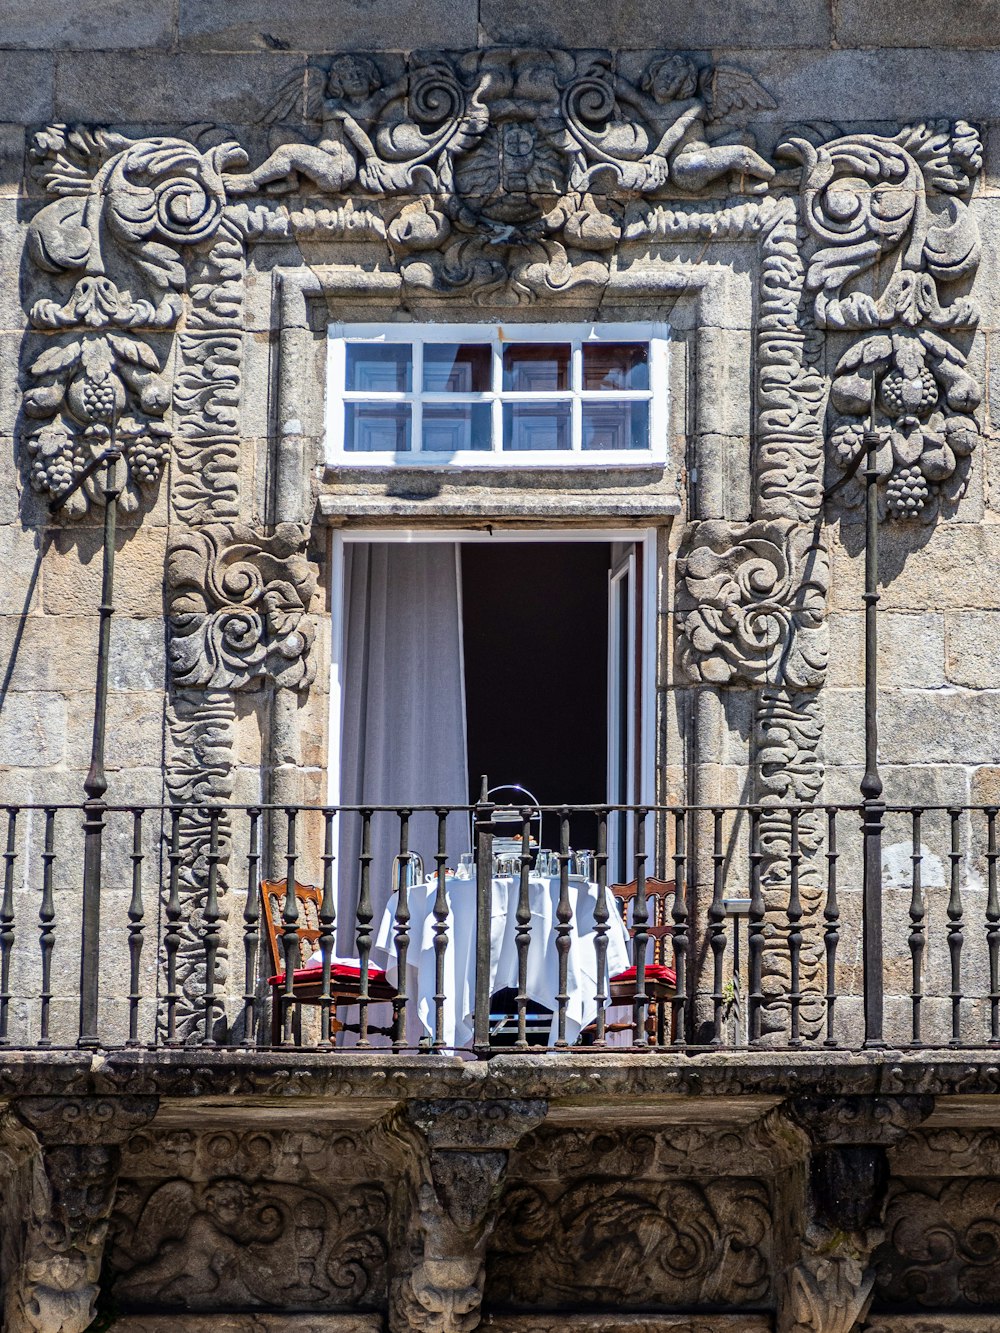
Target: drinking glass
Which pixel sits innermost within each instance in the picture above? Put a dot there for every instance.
(466, 865)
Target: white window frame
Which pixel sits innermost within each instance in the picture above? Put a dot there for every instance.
(645, 603)
(419, 335)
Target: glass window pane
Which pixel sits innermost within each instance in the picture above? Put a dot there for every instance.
(377, 427)
(536, 426)
(616, 366)
(536, 367)
(447, 429)
(457, 367)
(622, 425)
(379, 367)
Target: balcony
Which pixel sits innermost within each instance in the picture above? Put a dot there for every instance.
(430, 931)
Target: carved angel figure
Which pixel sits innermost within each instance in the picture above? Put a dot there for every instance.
(379, 135)
(670, 127)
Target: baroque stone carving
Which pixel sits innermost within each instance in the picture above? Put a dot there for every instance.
(892, 237)
(632, 1243)
(631, 1323)
(948, 1152)
(453, 1157)
(297, 1155)
(755, 606)
(230, 1242)
(238, 608)
(113, 243)
(882, 1120)
(71, 1193)
(942, 1245)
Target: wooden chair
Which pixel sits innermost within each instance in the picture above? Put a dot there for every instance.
(307, 982)
(660, 979)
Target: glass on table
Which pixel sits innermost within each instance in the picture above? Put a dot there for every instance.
(379, 368)
(466, 865)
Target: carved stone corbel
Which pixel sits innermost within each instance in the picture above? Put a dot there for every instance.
(828, 1288)
(70, 1148)
(453, 1159)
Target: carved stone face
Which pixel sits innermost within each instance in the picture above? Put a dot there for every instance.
(352, 77)
(670, 79)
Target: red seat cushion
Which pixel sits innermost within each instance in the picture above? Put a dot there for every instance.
(339, 972)
(654, 972)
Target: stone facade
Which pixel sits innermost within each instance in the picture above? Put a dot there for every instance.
(190, 194)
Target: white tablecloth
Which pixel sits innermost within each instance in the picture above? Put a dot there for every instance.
(543, 958)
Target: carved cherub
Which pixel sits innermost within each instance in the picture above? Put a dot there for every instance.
(353, 98)
(675, 133)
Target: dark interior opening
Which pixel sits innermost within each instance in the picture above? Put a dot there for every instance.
(535, 625)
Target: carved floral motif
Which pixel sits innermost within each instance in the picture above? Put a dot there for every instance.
(892, 237)
(113, 242)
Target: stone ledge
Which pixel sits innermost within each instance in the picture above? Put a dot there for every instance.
(592, 508)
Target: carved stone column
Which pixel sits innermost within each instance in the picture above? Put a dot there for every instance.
(828, 1288)
(453, 1158)
(70, 1159)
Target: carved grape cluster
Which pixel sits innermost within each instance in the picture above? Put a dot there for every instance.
(907, 491)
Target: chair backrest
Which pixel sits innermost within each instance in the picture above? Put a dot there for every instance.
(659, 928)
(308, 897)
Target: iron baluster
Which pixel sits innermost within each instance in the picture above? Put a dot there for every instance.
(7, 922)
(679, 915)
(564, 928)
(993, 923)
(755, 933)
(917, 940)
(95, 784)
(956, 928)
(522, 935)
(717, 926)
(136, 915)
(172, 933)
(831, 915)
(251, 929)
(289, 928)
(402, 936)
(602, 916)
(794, 915)
(327, 927)
(364, 920)
(483, 831)
(440, 912)
(212, 936)
(871, 784)
(46, 926)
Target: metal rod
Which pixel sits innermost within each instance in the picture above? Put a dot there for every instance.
(365, 913)
(96, 783)
(402, 933)
(289, 929)
(440, 913)
(794, 916)
(755, 934)
(679, 916)
(717, 926)
(212, 934)
(172, 932)
(917, 940)
(564, 928)
(135, 930)
(251, 930)
(831, 915)
(327, 926)
(483, 830)
(7, 923)
(871, 784)
(602, 917)
(993, 924)
(46, 926)
(522, 935)
(956, 928)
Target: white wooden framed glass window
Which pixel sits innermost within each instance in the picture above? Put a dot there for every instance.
(479, 395)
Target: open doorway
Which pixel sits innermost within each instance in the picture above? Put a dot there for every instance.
(526, 657)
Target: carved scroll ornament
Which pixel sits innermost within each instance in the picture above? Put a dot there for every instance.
(113, 244)
(754, 603)
(893, 237)
(238, 607)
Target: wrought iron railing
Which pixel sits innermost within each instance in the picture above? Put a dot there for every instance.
(745, 927)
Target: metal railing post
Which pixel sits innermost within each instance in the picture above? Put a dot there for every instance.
(871, 784)
(96, 785)
(483, 833)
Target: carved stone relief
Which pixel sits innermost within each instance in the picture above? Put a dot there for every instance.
(942, 1245)
(893, 237)
(632, 1243)
(71, 1191)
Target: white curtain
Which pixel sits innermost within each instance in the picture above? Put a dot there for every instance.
(403, 738)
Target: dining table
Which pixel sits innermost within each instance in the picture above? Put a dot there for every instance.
(459, 989)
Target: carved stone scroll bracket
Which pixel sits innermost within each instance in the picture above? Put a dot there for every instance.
(828, 1288)
(453, 1159)
(895, 247)
(52, 1284)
